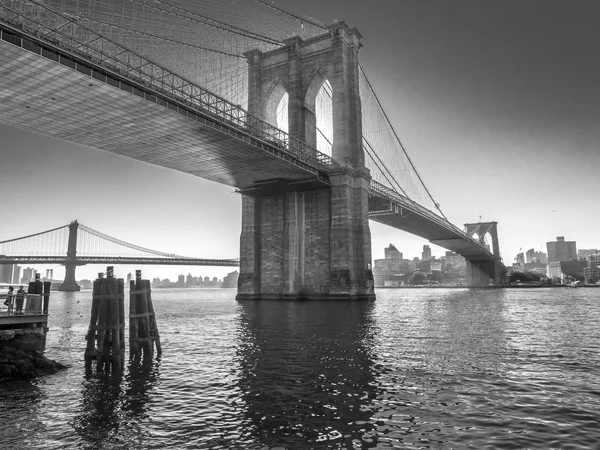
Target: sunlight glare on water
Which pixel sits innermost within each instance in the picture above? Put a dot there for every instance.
(415, 369)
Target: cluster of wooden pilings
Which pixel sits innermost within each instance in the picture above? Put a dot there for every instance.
(143, 331)
(106, 333)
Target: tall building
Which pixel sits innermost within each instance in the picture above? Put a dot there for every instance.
(16, 274)
(529, 255)
(591, 273)
(392, 252)
(231, 279)
(28, 275)
(520, 259)
(540, 257)
(561, 250)
(426, 254)
(6, 273)
(389, 271)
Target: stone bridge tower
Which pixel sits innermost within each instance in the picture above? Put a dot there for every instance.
(301, 242)
(479, 273)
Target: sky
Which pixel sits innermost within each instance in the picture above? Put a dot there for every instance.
(497, 103)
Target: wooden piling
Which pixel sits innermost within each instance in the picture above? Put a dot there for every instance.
(47, 286)
(143, 331)
(106, 333)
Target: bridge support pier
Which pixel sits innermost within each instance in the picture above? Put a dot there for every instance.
(311, 244)
(69, 284)
(485, 273)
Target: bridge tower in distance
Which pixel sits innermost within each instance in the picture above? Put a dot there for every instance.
(298, 240)
(69, 284)
(479, 273)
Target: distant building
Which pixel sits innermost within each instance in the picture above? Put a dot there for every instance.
(16, 274)
(6, 273)
(387, 272)
(584, 253)
(561, 250)
(231, 279)
(566, 269)
(540, 257)
(531, 256)
(520, 259)
(455, 260)
(591, 273)
(129, 276)
(436, 264)
(392, 252)
(181, 281)
(390, 270)
(28, 275)
(426, 254)
(86, 284)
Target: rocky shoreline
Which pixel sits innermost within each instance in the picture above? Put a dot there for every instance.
(22, 358)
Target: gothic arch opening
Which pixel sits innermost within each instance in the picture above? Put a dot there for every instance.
(276, 107)
(319, 101)
(324, 117)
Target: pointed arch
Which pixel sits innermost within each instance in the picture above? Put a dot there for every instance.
(276, 95)
(319, 102)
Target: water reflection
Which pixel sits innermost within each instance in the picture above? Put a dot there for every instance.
(113, 408)
(307, 373)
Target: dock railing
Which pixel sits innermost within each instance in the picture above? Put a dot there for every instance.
(32, 304)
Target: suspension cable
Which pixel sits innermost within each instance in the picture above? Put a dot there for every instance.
(174, 41)
(33, 235)
(221, 25)
(302, 19)
(400, 142)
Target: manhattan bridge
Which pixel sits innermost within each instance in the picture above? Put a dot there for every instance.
(245, 94)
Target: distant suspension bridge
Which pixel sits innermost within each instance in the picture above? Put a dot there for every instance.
(75, 245)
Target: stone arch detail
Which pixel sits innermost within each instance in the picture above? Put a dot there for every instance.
(274, 95)
(302, 66)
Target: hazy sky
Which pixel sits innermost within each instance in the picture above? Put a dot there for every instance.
(497, 102)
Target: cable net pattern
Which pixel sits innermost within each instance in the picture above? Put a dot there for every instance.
(385, 155)
(205, 41)
(47, 243)
(202, 41)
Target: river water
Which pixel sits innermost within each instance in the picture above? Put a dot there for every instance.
(506, 369)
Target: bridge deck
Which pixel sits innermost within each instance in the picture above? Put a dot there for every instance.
(43, 96)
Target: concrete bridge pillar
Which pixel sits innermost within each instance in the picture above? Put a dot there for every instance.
(69, 284)
(301, 242)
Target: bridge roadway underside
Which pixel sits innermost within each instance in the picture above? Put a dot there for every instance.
(45, 97)
(419, 225)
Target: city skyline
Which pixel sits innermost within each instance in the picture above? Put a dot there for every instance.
(496, 104)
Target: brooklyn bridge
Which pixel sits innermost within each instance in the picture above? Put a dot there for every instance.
(240, 93)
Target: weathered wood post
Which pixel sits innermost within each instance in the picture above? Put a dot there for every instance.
(47, 286)
(143, 331)
(34, 296)
(106, 333)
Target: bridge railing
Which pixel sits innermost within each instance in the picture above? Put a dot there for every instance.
(385, 192)
(63, 31)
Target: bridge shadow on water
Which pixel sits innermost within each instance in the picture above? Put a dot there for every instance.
(307, 373)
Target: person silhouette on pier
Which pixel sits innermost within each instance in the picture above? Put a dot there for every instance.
(9, 299)
(20, 298)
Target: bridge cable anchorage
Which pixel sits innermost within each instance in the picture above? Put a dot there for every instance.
(400, 142)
